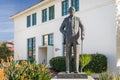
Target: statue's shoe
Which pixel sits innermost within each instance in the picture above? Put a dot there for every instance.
(67, 72)
(77, 72)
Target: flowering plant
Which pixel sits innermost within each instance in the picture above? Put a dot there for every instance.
(23, 70)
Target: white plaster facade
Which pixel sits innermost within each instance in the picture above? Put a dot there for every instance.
(98, 17)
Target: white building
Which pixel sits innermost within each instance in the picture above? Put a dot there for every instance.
(37, 35)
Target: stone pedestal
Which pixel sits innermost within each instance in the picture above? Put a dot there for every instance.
(72, 76)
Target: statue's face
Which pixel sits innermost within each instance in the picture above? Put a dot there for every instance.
(71, 11)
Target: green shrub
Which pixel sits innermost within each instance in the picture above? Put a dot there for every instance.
(58, 63)
(98, 63)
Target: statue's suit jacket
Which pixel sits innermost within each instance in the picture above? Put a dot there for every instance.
(71, 29)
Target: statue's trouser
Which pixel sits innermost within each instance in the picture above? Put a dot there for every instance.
(76, 49)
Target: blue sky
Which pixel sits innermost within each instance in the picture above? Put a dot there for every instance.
(8, 8)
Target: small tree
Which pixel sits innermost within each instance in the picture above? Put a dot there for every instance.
(4, 51)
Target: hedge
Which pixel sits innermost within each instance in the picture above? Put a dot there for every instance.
(98, 63)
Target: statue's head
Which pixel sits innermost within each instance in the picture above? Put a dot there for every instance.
(71, 10)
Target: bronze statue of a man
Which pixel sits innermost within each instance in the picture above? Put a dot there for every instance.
(70, 28)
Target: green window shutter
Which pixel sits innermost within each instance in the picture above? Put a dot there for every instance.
(49, 39)
(43, 41)
(34, 19)
(75, 4)
(32, 46)
(33, 49)
(28, 48)
(65, 6)
(44, 15)
(51, 13)
(28, 21)
(62, 8)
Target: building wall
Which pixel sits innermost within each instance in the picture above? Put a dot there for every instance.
(101, 31)
(98, 17)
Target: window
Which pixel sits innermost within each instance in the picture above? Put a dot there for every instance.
(48, 39)
(44, 15)
(34, 19)
(51, 13)
(28, 21)
(31, 49)
(65, 5)
(75, 4)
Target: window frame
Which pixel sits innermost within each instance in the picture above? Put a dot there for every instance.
(75, 4)
(65, 7)
(31, 46)
(51, 12)
(49, 41)
(34, 19)
(28, 20)
(44, 15)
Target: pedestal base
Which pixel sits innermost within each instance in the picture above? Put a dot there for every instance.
(72, 76)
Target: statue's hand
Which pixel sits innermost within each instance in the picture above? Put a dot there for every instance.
(82, 36)
(64, 33)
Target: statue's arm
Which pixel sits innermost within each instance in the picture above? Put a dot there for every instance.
(82, 30)
(62, 27)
